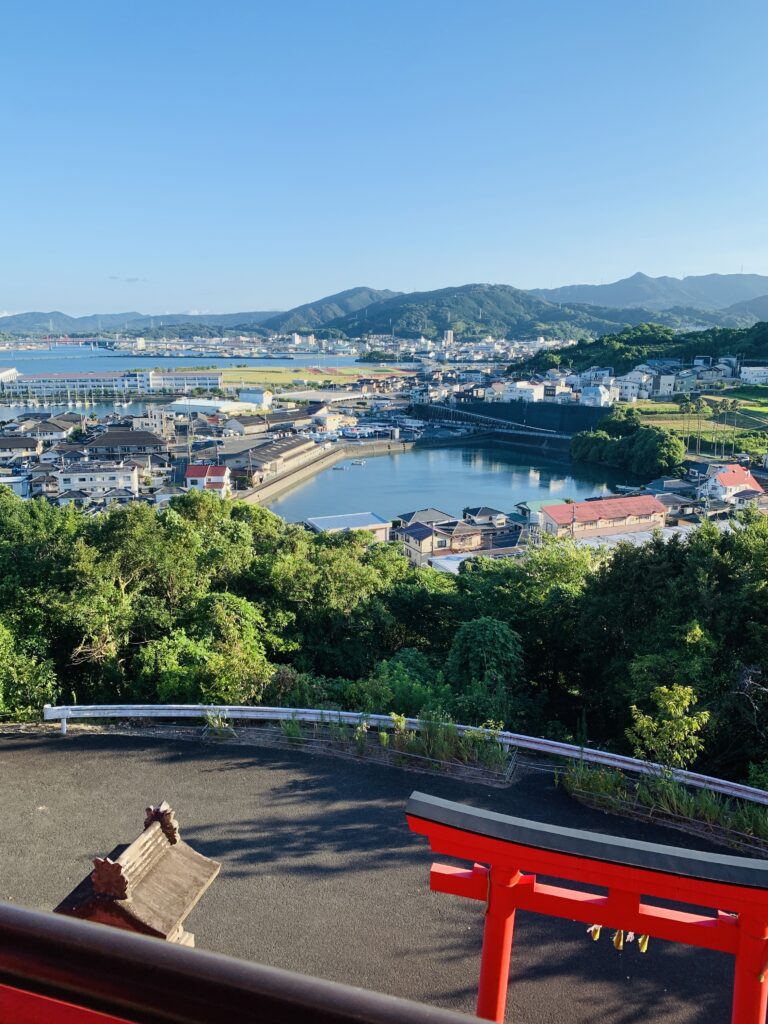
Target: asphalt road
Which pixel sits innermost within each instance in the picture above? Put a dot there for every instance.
(321, 875)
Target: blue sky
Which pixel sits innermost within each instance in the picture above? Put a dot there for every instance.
(253, 155)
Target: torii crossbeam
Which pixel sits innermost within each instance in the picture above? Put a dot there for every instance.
(507, 854)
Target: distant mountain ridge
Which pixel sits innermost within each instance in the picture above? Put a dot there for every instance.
(313, 315)
(757, 308)
(475, 310)
(56, 322)
(708, 291)
(307, 317)
(470, 310)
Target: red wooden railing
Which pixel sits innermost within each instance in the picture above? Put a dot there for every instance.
(57, 970)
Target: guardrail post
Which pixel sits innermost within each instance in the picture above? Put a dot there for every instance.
(63, 726)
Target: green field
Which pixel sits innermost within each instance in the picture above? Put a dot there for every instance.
(284, 375)
(715, 425)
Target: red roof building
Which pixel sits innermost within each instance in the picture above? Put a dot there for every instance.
(209, 478)
(603, 516)
(727, 481)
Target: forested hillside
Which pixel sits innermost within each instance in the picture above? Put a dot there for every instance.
(636, 345)
(475, 310)
(223, 602)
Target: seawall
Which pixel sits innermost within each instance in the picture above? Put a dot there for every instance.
(364, 450)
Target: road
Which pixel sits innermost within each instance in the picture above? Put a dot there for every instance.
(321, 875)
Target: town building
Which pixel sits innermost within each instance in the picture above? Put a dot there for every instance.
(216, 479)
(16, 482)
(754, 374)
(731, 483)
(260, 397)
(596, 395)
(454, 536)
(13, 447)
(482, 515)
(525, 390)
(110, 383)
(97, 478)
(116, 442)
(603, 517)
(256, 458)
(368, 521)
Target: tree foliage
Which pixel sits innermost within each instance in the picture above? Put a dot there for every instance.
(622, 442)
(224, 602)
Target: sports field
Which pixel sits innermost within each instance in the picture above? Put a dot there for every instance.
(283, 375)
(321, 875)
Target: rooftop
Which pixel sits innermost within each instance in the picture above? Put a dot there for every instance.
(735, 475)
(351, 521)
(117, 437)
(205, 472)
(425, 515)
(603, 508)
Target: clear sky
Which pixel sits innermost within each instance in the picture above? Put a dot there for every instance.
(243, 154)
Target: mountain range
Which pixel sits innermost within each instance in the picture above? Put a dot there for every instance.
(708, 291)
(471, 310)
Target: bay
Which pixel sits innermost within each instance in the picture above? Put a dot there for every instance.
(84, 359)
(449, 479)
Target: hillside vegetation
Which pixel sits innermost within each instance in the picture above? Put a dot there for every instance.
(470, 311)
(313, 315)
(223, 602)
(626, 349)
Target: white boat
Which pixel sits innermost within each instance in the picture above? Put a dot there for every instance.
(358, 462)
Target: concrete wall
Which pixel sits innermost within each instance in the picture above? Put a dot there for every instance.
(565, 419)
(270, 489)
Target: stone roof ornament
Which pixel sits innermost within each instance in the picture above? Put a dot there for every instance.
(168, 823)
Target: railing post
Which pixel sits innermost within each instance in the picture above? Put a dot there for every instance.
(63, 725)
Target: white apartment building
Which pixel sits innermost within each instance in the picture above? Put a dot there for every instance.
(633, 385)
(523, 389)
(596, 395)
(8, 374)
(185, 380)
(96, 478)
(260, 397)
(754, 374)
(84, 385)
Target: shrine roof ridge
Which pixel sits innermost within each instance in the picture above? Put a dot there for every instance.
(674, 860)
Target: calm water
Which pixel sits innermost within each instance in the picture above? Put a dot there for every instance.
(100, 409)
(67, 358)
(445, 478)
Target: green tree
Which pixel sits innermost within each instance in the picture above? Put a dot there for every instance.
(672, 735)
(25, 683)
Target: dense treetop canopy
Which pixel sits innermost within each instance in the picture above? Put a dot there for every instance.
(213, 601)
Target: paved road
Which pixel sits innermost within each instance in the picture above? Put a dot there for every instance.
(321, 875)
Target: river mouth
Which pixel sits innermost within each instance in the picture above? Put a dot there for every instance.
(449, 478)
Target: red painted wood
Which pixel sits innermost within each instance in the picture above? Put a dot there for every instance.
(18, 1007)
(737, 925)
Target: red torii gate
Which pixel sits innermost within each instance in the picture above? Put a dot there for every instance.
(505, 847)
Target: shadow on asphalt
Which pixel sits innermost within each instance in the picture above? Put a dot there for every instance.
(320, 873)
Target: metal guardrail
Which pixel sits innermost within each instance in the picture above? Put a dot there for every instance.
(51, 966)
(550, 748)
